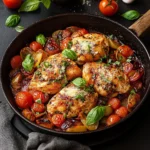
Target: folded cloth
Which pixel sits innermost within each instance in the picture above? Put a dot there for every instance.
(39, 141)
(10, 139)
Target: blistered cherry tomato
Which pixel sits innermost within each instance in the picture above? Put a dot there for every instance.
(125, 50)
(112, 119)
(12, 3)
(122, 111)
(137, 85)
(16, 62)
(79, 32)
(64, 43)
(36, 107)
(108, 7)
(114, 103)
(24, 99)
(35, 46)
(28, 114)
(58, 119)
(127, 67)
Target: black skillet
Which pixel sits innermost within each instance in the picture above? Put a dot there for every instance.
(92, 23)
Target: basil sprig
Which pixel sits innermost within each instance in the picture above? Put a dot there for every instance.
(96, 114)
(79, 82)
(32, 5)
(69, 54)
(41, 39)
(19, 28)
(131, 15)
(28, 63)
(12, 20)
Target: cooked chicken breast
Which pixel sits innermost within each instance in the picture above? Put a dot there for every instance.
(107, 80)
(53, 74)
(90, 47)
(71, 101)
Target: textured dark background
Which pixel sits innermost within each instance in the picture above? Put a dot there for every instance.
(139, 137)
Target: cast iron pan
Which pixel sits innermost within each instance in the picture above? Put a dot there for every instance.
(92, 23)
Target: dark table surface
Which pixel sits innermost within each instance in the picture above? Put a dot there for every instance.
(139, 137)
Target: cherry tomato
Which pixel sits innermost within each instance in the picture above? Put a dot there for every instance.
(12, 3)
(125, 50)
(36, 107)
(137, 85)
(127, 67)
(51, 47)
(16, 62)
(135, 75)
(64, 43)
(114, 103)
(79, 32)
(24, 99)
(35, 46)
(65, 34)
(108, 7)
(122, 111)
(72, 29)
(58, 119)
(112, 119)
(28, 114)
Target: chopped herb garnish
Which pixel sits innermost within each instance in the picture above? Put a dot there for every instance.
(111, 36)
(81, 97)
(120, 58)
(120, 78)
(69, 45)
(132, 92)
(89, 48)
(109, 61)
(38, 101)
(37, 113)
(117, 63)
(38, 73)
(103, 58)
(46, 64)
(65, 63)
(129, 59)
(89, 88)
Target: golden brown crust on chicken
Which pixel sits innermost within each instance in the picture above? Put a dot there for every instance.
(90, 47)
(53, 74)
(72, 101)
(107, 80)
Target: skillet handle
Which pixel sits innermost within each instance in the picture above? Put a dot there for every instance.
(142, 24)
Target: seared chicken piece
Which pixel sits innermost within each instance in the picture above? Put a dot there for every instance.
(53, 74)
(107, 80)
(71, 101)
(90, 47)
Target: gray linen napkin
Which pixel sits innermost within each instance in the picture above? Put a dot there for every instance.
(10, 139)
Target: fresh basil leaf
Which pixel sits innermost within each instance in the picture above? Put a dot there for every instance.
(29, 5)
(41, 39)
(131, 15)
(12, 20)
(79, 82)
(46, 3)
(69, 54)
(96, 114)
(28, 63)
(19, 28)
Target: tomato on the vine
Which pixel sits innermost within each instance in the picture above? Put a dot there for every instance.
(108, 7)
(12, 3)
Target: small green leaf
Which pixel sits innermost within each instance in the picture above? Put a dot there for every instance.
(46, 3)
(12, 20)
(28, 63)
(131, 15)
(79, 82)
(41, 39)
(132, 92)
(81, 97)
(29, 5)
(69, 54)
(38, 101)
(96, 114)
(19, 28)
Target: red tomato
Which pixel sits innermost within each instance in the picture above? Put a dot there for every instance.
(108, 7)
(64, 43)
(137, 85)
(112, 119)
(135, 75)
(24, 99)
(65, 34)
(39, 95)
(36, 107)
(122, 111)
(16, 62)
(12, 3)
(58, 119)
(35, 46)
(127, 67)
(125, 50)
(114, 103)
(79, 32)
